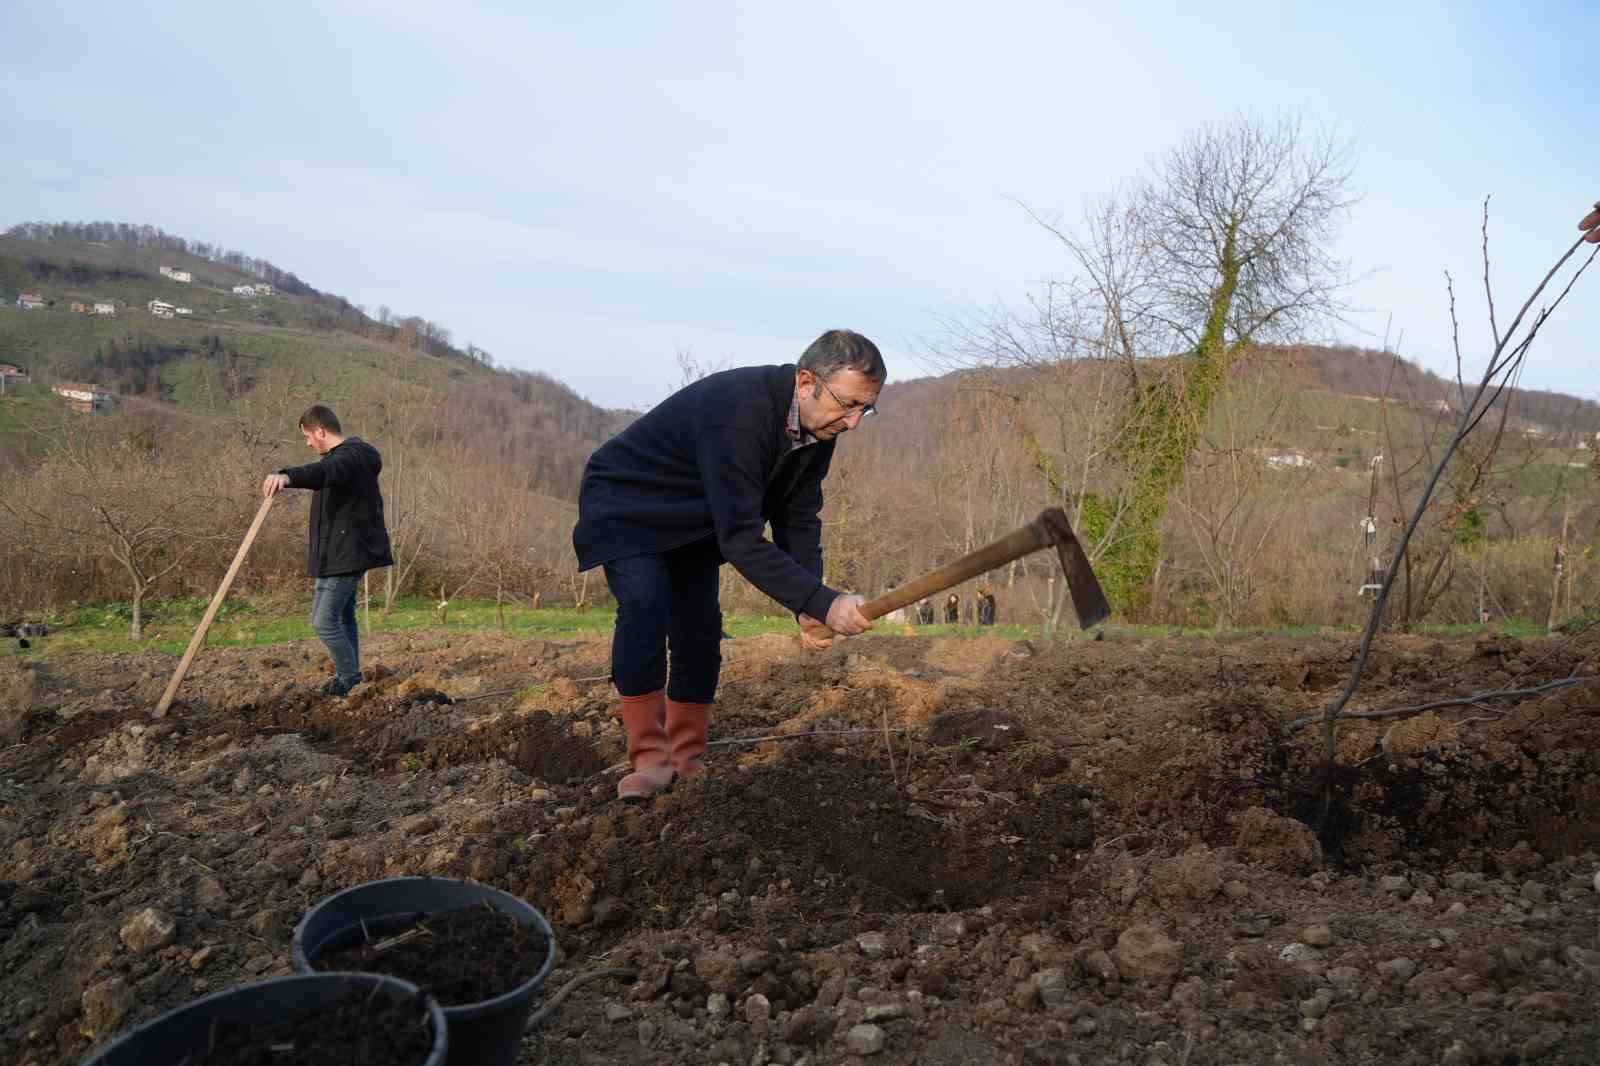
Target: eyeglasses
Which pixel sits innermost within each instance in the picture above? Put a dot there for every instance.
(868, 409)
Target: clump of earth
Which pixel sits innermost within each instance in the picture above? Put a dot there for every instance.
(910, 850)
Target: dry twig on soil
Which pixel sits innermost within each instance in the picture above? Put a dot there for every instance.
(537, 1018)
(736, 741)
(1473, 700)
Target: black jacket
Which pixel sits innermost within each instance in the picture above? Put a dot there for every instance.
(714, 458)
(347, 530)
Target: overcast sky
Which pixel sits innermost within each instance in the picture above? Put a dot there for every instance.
(588, 192)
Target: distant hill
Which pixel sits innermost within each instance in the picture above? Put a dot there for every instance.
(482, 464)
(287, 349)
(1334, 385)
(303, 342)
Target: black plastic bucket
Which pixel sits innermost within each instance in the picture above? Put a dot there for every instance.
(481, 1034)
(171, 1038)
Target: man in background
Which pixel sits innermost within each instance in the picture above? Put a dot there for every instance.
(347, 534)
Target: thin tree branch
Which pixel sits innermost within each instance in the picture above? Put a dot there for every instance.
(1458, 701)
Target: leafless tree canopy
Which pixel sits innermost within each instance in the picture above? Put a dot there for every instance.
(1260, 199)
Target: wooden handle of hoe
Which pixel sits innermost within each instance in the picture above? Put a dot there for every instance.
(199, 637)
(1030, 538)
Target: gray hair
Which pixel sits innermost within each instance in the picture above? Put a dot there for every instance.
(842, 349)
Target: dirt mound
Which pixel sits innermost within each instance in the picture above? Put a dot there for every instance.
(834, 831)
(538, 744)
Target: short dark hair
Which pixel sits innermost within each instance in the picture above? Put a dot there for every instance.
(320, 416)
(843, 349)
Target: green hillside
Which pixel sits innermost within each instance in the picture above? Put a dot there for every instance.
(271, 355)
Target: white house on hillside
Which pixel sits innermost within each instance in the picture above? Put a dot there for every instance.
(177, 275)
(161, 309)
(29, 300)
(84, 398)
(263, 289)
(244, 290)
(102, 307)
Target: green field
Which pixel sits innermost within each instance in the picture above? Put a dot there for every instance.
(169, 624)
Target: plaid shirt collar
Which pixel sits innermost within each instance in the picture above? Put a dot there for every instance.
(798, 438)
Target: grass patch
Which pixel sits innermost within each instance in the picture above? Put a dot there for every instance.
(169, 625)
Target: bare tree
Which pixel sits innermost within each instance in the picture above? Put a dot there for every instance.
(1228, 509)
(119, 491)
(1223, 246)
(1507, 353)
(405, 417)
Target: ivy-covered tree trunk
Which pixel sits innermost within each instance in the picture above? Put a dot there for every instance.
(1164, 420)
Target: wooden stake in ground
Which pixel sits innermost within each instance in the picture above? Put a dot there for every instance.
(211, 611)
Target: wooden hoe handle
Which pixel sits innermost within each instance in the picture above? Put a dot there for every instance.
(199, 637)
(1025, 541)
(1035, 536)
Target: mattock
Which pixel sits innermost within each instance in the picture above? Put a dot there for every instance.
(1050, 530)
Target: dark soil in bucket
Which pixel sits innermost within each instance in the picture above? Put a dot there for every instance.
(462, 956)
(359, 1030)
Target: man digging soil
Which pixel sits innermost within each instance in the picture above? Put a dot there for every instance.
(347, 536)
(692, 485)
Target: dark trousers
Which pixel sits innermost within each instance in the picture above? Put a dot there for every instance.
(668, 602)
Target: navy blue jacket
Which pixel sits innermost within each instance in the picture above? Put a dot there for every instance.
(714, 458)
(347, 531)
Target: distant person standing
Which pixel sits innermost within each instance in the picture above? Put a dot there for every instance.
(952, 609)
(925, 611)
(986, 606)
(347, 535)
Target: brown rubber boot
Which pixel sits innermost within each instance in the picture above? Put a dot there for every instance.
(644, 720)
(686, 729)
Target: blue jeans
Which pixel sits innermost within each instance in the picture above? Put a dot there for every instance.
(333, 617)
(668, 601)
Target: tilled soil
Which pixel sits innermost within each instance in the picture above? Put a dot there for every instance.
(944, 850)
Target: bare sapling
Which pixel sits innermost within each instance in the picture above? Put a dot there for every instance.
(1507, 356)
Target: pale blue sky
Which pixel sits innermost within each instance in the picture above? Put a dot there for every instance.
(588, 191)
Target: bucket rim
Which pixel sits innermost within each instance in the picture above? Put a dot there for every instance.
(516, 906)
(436, 1013)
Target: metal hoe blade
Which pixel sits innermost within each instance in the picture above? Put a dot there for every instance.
(1088, 599)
